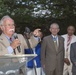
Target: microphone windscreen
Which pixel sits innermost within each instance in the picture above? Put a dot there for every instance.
(15, 35)
(27, 30)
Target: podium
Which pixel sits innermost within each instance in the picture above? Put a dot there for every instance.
(11, 64)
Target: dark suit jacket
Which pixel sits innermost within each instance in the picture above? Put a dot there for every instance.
(73, 56)
(51, 58)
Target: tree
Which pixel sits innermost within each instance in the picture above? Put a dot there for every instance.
(39, 13)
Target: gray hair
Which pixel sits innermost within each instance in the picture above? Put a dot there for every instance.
(4, 18)
(54, 24)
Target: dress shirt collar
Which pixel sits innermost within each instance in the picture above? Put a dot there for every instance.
(55, 36)
(9, 37)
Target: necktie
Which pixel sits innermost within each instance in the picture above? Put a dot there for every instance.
(10, 40)
(10, 43)
(55, 42)
(68, 43)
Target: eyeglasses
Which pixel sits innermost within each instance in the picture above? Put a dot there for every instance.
(9, 25)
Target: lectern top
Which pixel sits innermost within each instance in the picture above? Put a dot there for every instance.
(17, 56)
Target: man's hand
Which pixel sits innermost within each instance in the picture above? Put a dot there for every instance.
(66, 60)
(15, 43)
(36, 32)
(43, 66)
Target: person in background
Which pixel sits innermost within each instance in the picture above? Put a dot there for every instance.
(10, 41)
(36, 61)
(69, 39)
(52, 52)
(73, 57)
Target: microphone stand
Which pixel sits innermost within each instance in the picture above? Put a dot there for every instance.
(31, 50)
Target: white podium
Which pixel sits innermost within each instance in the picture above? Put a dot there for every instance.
(10, 64)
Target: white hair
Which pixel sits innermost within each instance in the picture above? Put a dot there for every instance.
(4, 18)
(54, 24)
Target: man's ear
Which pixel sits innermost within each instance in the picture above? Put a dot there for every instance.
(1, 27)
(50, 29)
(58, 30)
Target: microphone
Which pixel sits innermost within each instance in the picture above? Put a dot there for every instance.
(16, 37)
(27, 32)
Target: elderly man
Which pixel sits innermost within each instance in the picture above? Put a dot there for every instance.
(9, 42)
(52, 52)
(69, 39)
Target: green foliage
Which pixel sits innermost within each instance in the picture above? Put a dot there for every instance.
(39, 13)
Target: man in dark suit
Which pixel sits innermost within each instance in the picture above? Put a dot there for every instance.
(52, 52)
(73, 57)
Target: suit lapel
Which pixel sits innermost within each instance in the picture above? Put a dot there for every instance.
(52, 42)
(5, 40)
(73, 39)
(59, 44)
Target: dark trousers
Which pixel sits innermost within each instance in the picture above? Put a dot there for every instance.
(74, 73)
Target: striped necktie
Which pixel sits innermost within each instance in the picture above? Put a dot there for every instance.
(68, 43)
